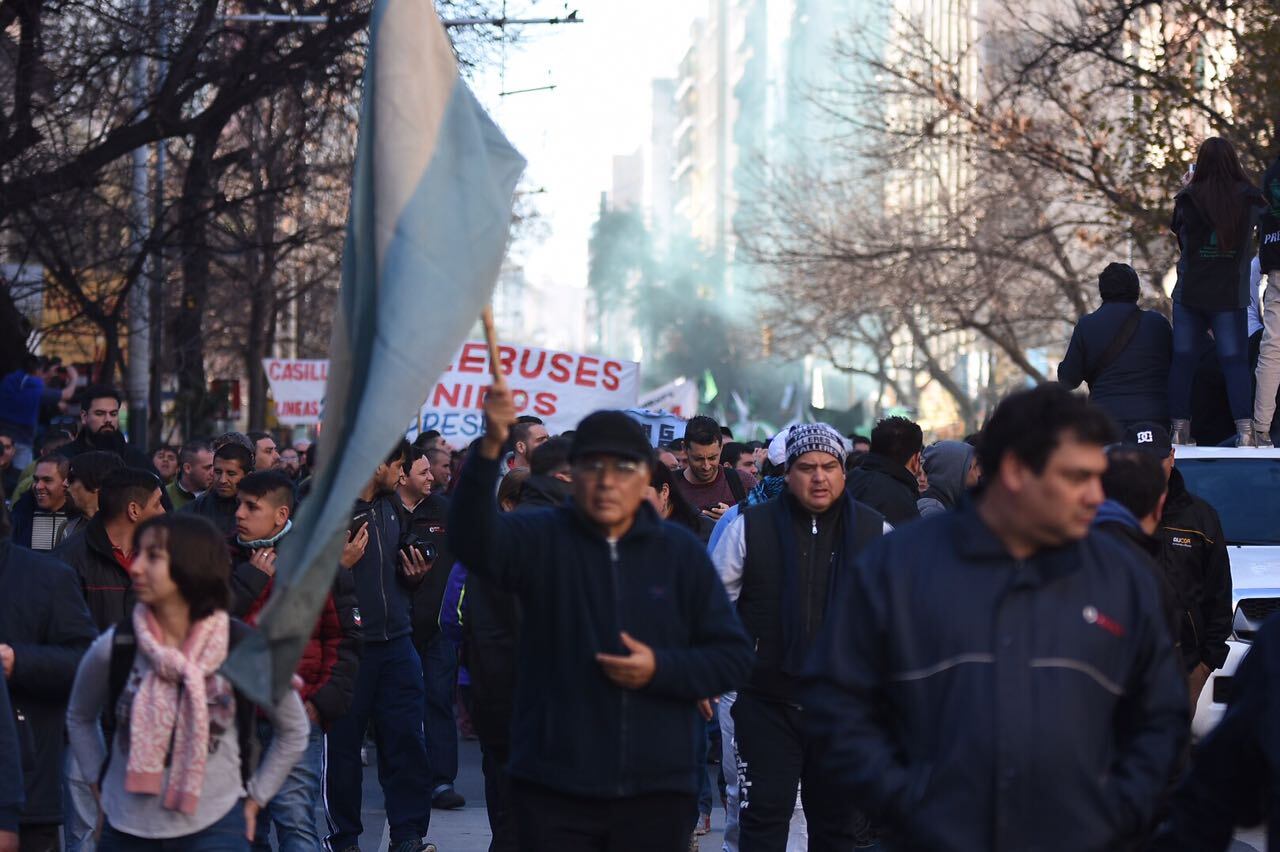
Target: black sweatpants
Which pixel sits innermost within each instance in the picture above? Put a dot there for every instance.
(772, 761)
(549, 821)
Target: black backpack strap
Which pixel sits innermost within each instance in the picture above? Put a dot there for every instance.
(1124, 336)
(124, 649)
(736, 488)
(246, 712)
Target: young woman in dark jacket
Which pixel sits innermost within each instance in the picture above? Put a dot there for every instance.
(1214, 217)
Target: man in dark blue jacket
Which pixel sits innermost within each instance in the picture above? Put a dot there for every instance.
(10, 774)
(388, 687)
(626, 631)
(1133, 383)
(999, 678)
(1235, 779)
(45, 628)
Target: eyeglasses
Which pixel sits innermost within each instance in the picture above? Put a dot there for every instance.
(595, 467)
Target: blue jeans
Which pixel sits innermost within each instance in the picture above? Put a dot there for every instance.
(440, 680)
(225, 835)
(1231, 339)
(389, 692)
(293, 809)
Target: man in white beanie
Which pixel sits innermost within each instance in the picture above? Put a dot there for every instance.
(780, 561)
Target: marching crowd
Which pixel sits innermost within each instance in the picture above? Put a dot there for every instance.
(846, 642)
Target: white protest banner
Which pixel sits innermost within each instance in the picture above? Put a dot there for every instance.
(559, 387)
(662, 427)
(297, 386)
(679, 398)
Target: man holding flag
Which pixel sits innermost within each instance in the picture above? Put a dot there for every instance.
(626, 632)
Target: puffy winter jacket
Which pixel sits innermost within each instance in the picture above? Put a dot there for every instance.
(383, 590)
(573, 730)
(887, 487)
(220, 510)
(105, 583)
(982, 702)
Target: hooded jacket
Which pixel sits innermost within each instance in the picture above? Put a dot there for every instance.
(887, 487)
(1115, 519)
(107, 589)
(1235, 779)
(1211, 277)
(1135, 385)
(946, 463)
(573, 730)
(44, 618)
(982, 702)
(1198, 569)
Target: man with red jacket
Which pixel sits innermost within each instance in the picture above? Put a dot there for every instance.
(328, 665)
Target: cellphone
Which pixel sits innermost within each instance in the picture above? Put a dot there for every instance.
(360, 519)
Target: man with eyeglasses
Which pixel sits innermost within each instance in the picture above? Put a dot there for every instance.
(626, 632)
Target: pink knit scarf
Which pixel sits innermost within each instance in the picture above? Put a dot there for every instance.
(171, 704)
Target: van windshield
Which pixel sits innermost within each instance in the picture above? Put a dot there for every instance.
(1246, 493)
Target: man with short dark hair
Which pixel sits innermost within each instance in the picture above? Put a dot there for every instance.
(441, 462)
(195, 475)
(677, 449)
(625, 629)
(10, 473)
(1136, 490)
(232, 462)
(886, 479)
(527, 435)
(550, 481)
(41, 515)
(165, 461)
(100, 428)
(85, 474)
(709, 487)
(266, 453)
(1122, 352)
(388, 688)
(739, 457)
(999, 677)
(329, 661)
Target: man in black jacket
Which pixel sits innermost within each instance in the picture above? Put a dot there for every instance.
(388, 688)
(778, 561)
(422, 518)
(11, 760)
(1236, 772)
(1196, 565)
(232, 462)
(44, 630)
(886, 480)
(1122, 352)
(626, 629)
(998, 678)
(103, 550)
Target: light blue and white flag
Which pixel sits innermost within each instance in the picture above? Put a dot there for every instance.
(430, 213)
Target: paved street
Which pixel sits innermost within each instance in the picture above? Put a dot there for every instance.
(467, 830)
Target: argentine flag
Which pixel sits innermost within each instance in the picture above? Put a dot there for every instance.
(430, 213)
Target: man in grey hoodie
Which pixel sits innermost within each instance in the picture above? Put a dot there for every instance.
(952, 469)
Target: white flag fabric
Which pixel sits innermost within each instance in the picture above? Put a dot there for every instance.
(430, 213)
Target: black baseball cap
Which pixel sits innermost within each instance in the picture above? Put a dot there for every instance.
(610, 433)
(1150, 437)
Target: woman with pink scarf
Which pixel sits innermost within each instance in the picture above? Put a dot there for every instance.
(172, 777)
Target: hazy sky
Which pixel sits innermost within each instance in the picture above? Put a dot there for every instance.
(602, 70)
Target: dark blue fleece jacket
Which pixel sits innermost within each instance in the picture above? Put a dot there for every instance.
(573, 730)
(1133, 387)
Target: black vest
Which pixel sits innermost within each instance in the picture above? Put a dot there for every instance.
(760, 602)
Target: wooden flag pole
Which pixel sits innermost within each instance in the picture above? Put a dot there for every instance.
(491, 337)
